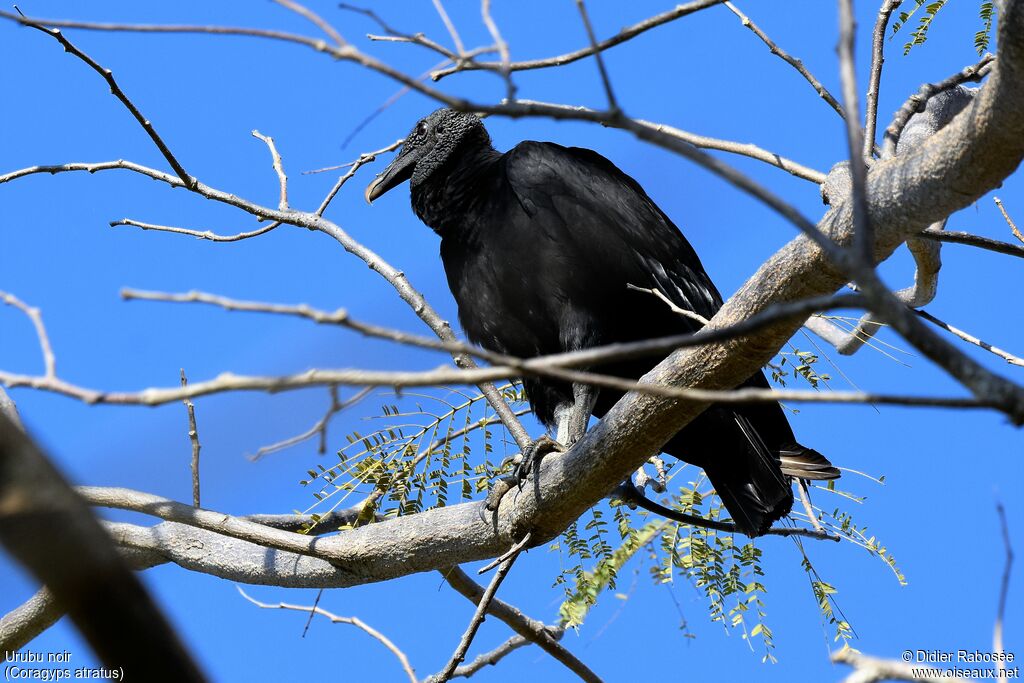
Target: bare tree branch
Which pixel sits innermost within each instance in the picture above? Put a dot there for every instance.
(622, 36)
(315, 18)
(875, 81)
(917, 101)
(535, 631)
(1009, 221)
(278, 168)
(318, 428)
(22, 624)
(193, 437)
(478, 617)
(491, 657)
(54, 535)
(36, 317)
(872, 669)
(1004, 589)
(974, 241)
(797, 64)
(199, 234)
(863, 237)
(352, 621)
(363, 159)
(1008, 357)
(665, 136)
(115, 90)
(503, 52)
(613, 105)
(460, 49)
(508, 367)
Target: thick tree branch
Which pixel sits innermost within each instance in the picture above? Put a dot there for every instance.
(19, 626)
(54, 535)
(872, 669)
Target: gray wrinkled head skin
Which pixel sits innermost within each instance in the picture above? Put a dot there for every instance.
(431, 143)
(435, 138)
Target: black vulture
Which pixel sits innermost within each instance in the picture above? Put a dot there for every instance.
(545, 248)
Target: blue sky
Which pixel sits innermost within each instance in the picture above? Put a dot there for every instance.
(944, 469)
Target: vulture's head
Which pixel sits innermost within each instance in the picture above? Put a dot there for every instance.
(430, 145)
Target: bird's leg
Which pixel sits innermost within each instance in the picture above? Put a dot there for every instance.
(572, 417)
(571, 420)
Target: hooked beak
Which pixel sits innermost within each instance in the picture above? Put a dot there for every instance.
(398, 171)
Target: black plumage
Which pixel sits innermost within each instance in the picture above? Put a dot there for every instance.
(545, 248)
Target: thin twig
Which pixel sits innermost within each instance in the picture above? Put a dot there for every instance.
(491, 657)
(613, 105)
(1009, 221)
(193, 437)
(672, 138)
(1004, 588)
(875, 80)
(282, 205)
(535, 631)
(622, 36)
(506, 367)
(312, 613)
(592, 356)
(319, 428)
(459, 48)
(478, 618)
(445, 376)
(396, 36)
(503, 52)
(363, 159)
(692, 315)
(514, 550)
(805, 500)
(35, 316)
(1005, 355)
(973, 240)
(335, 619)
(792, 61)
(199, 234)
(116, 91)
(863, 231)
(315, 18)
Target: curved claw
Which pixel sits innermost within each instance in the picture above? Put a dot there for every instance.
(531, 456)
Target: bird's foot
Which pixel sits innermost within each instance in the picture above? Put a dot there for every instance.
(527, 464)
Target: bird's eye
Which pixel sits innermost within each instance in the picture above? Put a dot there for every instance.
(421, 129)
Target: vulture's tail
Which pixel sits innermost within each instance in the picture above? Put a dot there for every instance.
(751, 484)
(801, 462)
